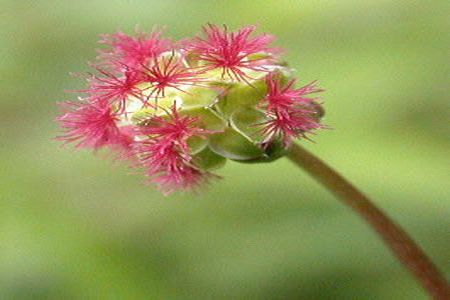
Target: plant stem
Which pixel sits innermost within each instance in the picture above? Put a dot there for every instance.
(406, 250)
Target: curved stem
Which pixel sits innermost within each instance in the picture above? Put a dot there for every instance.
(406, 250)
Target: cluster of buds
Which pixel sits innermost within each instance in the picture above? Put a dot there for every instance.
(179, 110)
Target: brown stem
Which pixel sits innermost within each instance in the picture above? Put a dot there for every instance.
(406, 250)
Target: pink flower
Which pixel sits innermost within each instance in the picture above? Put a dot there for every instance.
(291, 114)
(169, 72)
(115, 88)
(166, 153)
(231, 51)
(125, 108)
(133, 51)
(92, 125)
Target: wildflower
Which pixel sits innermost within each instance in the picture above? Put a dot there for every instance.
(181, 110)
(291, 113)
(115, 88)
(133, 51)
(235, 53)
(166, 155)
(169, 71)
(92, 125)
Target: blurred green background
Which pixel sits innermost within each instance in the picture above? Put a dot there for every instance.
(76, 226)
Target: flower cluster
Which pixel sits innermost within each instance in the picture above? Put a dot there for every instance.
(179, 110)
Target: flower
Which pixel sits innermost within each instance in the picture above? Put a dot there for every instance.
(166, 155)
(179, 111)
(235, 53)
(291, 114)
(133, 51)
(115, 88)
(92, 125)
(169, 71)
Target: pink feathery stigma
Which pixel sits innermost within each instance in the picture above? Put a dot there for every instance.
(133, 51)
(166, 155)
(291, 114)
(231, 51)
(182, 177)
(169, 72)
(115, 88)
(92, 125)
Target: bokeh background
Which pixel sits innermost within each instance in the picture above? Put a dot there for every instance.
(77, 226)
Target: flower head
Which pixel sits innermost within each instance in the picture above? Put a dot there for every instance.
(181, 110)
(234, 53)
